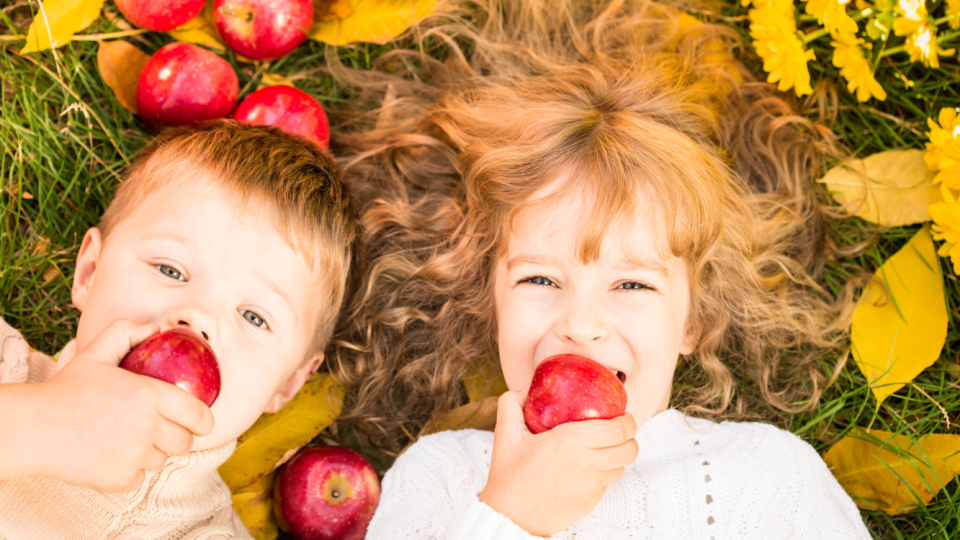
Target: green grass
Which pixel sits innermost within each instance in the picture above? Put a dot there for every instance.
(65, 140)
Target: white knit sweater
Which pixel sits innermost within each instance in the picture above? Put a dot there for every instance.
(694, 479)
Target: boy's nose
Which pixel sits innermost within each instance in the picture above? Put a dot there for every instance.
(196, 319)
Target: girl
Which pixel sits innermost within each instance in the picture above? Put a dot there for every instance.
(603, 180)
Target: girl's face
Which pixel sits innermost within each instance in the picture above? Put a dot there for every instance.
(627, 310)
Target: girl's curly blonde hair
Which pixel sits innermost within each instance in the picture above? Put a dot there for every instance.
(631, 97)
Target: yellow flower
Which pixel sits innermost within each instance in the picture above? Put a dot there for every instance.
(946, 226)
(913, 14)
(774, 32)
(953, 8)
(854, 67)
(943, 150)
(832, 14)
(922, 45)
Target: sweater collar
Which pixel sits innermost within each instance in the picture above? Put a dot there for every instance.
(668, 435)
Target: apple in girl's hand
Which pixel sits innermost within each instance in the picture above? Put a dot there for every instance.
(181, 357)
(160, 15)
(263, 29)
(571, 388)
(183, 84)
(289, 109)
(326, 493)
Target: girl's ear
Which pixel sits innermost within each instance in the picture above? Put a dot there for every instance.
(86, 267)
(690, 340)
(293, 384)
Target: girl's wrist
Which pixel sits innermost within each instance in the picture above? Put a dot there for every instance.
(17, 430)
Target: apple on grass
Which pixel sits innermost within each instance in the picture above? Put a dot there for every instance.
(571, 388)
(183, 84)
(263, 29)
(326, 493)
(180, 357)
(159, 15)
(287, 108)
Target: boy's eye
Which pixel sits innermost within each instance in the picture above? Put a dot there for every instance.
(170, 272)
(539, 280)
(252, 318)
(633, 286)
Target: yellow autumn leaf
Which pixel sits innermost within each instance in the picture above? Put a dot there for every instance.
(326, 10)
(274, 80)
(890, 472)
(200, 30)
(889, 188)
(65, 18)
(372, 21)
(477, 415)
(899, 333)
(484, 380)
(254, 505)
(274, 438)
(120, 65)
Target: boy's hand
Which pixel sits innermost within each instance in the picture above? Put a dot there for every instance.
(545, 482)
(99, 426)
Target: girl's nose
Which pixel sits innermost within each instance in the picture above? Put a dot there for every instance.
(582, 321)
(194, 318)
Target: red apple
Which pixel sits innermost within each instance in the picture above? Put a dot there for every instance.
(287, 108)
(160, 15)
(181, 357)
(326, 493)
(183, 84)
(263, 29)
(571, 388)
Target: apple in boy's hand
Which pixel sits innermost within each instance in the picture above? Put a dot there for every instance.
(326, 493)
(183, 84)
(180, 357)
(159, 15)
(263, 29)
(571, 388)
(289, 109)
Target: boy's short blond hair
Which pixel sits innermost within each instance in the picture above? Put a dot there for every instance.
(290, 180)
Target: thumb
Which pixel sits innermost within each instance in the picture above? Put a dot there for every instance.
(117, 340)
(510, 423)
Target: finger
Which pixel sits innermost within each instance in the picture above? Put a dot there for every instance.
(173, 439)
(182, 408)
(116, 340)
(598, 434)
(510, 423)
(154, 460)
(617, 457)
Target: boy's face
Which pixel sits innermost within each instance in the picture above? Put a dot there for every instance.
(627, 310)
(187, 257)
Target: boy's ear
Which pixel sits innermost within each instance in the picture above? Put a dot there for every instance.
(86, 267)
(293, 384)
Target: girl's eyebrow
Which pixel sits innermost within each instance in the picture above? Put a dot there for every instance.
(626, 265)
(523, 258)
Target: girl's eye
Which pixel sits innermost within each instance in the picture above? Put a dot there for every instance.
(539, 280)
(252, 318)
(170, 272)
(634, 286)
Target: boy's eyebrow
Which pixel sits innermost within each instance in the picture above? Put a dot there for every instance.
(168, 236)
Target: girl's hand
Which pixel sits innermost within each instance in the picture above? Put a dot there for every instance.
(99, 426)
(545, 482)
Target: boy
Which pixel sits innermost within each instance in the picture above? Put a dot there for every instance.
(241, 234)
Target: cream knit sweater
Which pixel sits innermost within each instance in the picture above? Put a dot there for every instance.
(184, 500)
(693, 480)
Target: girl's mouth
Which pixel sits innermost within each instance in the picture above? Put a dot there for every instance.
(622, 376)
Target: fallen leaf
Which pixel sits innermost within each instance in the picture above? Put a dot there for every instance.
(274, 437)
(484, 380)
(274, 80)
(120, 65)
(478, 415)
(372, 21)
(325, 10)
(893, 473)
(40, 247)
(65, 18)
(889, 188)
(899, 332)
(200, 30)
(255, 508)
(50, 274)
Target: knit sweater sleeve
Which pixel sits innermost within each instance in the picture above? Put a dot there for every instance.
(18, 363)
(431, 491)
